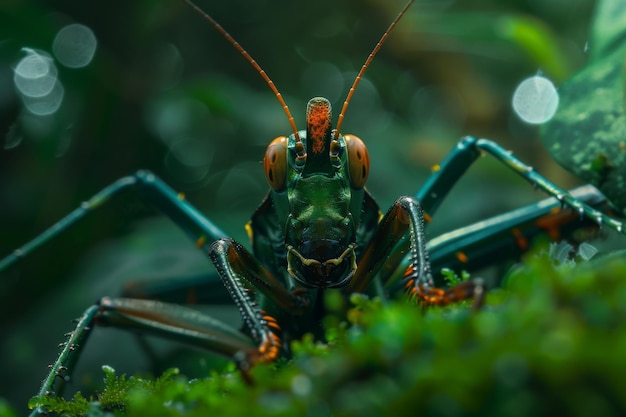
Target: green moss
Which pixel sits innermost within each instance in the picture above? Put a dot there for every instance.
(551, 341)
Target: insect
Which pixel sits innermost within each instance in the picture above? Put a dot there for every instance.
(318, 230)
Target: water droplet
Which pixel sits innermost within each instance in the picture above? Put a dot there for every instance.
(587, 251)
(560, 252)
(301, 385)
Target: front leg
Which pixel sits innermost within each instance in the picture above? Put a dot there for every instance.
(169, 321)
(406, 215)
(468, 150)
(244, 278)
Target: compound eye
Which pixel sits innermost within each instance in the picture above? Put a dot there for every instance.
(358, 161)
(275, 163)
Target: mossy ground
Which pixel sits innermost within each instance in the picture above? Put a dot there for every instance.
(551, 341)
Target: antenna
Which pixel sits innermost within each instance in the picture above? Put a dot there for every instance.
(252, 62)
(364, 67)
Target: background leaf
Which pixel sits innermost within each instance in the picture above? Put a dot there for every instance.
(586, 136)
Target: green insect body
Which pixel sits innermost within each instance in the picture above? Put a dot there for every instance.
(317, 214)
(318, 204)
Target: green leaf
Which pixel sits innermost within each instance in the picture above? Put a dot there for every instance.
(587, 135)
(609, 28)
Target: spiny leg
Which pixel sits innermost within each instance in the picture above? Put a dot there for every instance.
(151, 189)
(429, 295)
(70, 351)
(406, 215)
(508, 235)
(505, 236)
(452, 168)
(241, 274)
(170, 321)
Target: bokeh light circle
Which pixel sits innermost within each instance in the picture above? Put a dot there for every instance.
(535, 100)
(74, 45)
(35, 75)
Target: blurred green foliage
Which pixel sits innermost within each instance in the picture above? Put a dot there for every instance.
(165, 92)
(550, 342)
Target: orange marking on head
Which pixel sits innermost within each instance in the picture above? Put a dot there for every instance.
(318, 123)
(462, 257)
(427, 218)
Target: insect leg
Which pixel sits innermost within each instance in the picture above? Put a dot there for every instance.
(406, 215)
(70, 352)
(468, 150)
(170, 321)
(508, 235)
(174, 322)
(242, 275)
(504, 237)
(150, 188)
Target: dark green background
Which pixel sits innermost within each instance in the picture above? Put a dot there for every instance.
(448, 70)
